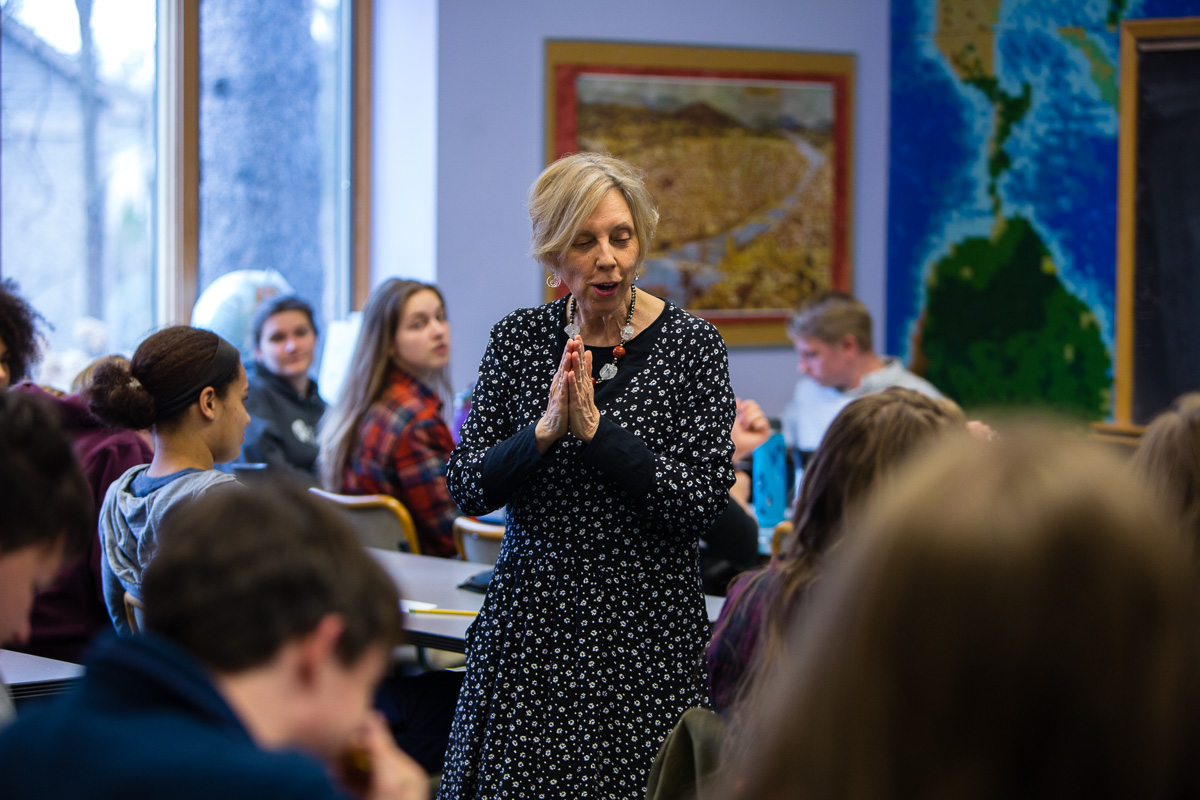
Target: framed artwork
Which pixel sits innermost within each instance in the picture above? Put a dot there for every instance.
(747, 154)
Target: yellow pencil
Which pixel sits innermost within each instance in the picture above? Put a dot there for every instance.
(457, 611)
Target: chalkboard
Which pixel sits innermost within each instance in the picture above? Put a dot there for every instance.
(1158, 314)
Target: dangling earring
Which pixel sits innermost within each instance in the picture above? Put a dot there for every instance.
(553, 281)
(641, 273)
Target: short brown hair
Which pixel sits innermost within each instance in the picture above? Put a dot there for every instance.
(831, 315)
(568, 191)
(1010, 619)
(238, 574)
(44, 496)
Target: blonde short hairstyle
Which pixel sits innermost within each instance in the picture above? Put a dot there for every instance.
(829, 315)
(568, 191)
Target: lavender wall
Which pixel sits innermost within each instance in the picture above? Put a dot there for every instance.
(490, 96)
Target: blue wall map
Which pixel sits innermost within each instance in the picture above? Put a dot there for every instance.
(1002, 196)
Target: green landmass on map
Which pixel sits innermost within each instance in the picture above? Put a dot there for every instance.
(1000, 329)
(1104, 73)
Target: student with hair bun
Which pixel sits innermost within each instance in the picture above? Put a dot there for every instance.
(188, 387)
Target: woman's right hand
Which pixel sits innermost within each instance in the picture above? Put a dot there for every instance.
(553, 424)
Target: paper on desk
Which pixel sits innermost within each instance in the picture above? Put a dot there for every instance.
(416, 605)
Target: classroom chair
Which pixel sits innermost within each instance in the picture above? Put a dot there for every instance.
(135, 613)
(379, 520)
(477, 541)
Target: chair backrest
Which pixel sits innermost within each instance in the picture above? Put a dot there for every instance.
(379, 519)
(782, 531)
(135, 613)
(477, 541)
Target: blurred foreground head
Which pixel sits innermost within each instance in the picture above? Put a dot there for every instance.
(1009, 619)
(239, 574)
(1168, 458)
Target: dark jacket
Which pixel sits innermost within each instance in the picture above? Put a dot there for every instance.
(283, 425)
(70, 612)
(147, 723)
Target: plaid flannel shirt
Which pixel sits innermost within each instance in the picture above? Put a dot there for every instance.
(402, 450)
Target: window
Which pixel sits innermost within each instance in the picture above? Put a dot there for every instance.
(78, 172)
(212, 136)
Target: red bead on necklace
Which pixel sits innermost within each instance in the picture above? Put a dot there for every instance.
(609, 370)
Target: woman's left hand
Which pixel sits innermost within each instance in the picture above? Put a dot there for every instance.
(582, 415)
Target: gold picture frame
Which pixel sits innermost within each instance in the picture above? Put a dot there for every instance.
(748, 154)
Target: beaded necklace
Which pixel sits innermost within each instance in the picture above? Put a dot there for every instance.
(609, 370)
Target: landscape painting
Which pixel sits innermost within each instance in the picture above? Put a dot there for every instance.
(746, 154)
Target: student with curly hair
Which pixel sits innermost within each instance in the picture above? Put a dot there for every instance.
(19, 348)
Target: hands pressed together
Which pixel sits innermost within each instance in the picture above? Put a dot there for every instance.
(571, 405)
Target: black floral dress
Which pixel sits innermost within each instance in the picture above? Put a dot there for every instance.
(590, 644)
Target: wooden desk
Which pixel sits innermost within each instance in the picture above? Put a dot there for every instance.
(29, 676)
(435, 580)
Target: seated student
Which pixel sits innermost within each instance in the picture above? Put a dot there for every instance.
(1014, 619)
(731, 544)
(284, 404)
(188, 387)
(386, 435)
(867, 439)
(837, 363)
(70, 612)
(1168, 458)
(19, 350)
(44, 513)
(268, 629)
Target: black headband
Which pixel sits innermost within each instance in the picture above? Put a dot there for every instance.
(222, 365)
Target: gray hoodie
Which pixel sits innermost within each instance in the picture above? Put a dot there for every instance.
(129, 531)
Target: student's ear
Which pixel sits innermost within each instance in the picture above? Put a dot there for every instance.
(318, 646)
(208, 403)
(849, 344)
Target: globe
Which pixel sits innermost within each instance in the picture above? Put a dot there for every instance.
(227, 306)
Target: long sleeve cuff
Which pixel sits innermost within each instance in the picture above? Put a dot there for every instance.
(507, 464)
(621, 457)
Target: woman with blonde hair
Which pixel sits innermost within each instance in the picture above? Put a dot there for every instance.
(386, 434)
(601, 421)
(1013, 619)
(864, 442)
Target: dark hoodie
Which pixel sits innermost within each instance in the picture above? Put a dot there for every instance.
(148, 722)
(283, 425)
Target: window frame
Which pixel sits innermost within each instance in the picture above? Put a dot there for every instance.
(177, 217)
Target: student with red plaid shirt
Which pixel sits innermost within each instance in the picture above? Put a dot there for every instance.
(386, 435)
